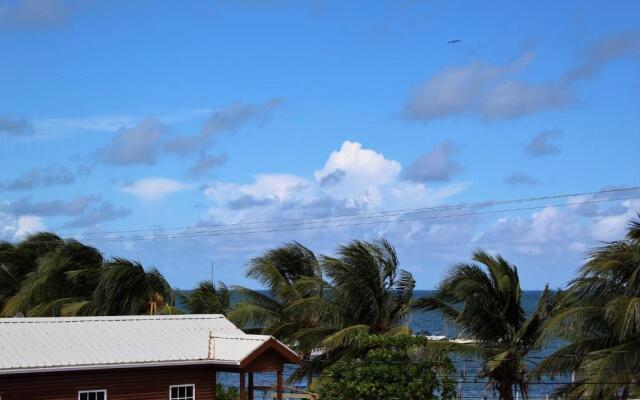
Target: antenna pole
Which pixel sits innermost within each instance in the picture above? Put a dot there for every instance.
(211, 271)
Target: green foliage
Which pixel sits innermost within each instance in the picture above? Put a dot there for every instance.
(125, 288)
(46, 276)
(226, 394)
(206, 298)
(365, 292)
(388, 371)
(599, 318)
(485, 303)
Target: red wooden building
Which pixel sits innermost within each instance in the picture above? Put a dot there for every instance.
(131, 357)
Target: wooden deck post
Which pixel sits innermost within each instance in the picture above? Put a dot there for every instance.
(215, 384)
(279, 385)
(243, 394)
(250, 385)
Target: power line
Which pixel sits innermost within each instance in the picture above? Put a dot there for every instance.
(227, 230)
(349, 217)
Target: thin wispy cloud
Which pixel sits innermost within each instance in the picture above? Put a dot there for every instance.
(485, 90)
(34, 14)
(438, 165)
(15, 126)
(51, 175)
(137, 145)
(520, 178)
(205, 163)
(542, 145)
(499, 91)
(104, 212)
(224, 120)
(49, 208)
(603, 51)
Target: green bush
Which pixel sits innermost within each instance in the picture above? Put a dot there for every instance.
(226, 394)
(388, 372)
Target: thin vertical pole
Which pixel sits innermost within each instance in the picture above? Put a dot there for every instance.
(243, 389)
(250, 385)
(279, 386)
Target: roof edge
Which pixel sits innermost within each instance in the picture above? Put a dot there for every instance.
(92, 367)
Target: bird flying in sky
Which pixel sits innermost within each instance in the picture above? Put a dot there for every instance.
(454, 41)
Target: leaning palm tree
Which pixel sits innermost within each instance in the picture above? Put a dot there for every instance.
(367, 294)
(206, 298)
(292, 274)
(599, 317)
(19, 259)
(370, 291)
(125, 288)
(485, 303)
(63, 280)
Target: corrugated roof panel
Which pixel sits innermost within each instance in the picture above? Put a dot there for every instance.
(27, 343)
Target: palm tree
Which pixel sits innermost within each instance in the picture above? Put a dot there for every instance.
(368, 291)
(125, 288)
(63, 280)
(485, 303)
(17, 260)
(293, 275)
(367, 295)
(599, 316)
(206, 298)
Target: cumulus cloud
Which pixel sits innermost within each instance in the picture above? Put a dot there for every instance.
(553, 231)
(520, 178)
(353, 179)
(205, 163)
(541, 144)
(51, 175)
(15, 126)
(155, 188)
(499, 91)
(438, 165)
(135, 145)
(228, 119)
(25, 14)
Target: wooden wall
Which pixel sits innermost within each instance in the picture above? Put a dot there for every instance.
(121, 384)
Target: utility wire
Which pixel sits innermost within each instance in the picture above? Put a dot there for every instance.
(348, 217)
(296, 227)
(235, 229)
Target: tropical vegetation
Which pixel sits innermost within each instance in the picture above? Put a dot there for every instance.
(347, 314)
(598, 316)
(45, 275)
(483, 299)
(393, 368)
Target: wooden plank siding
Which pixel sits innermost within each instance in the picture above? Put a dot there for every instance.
(121, 384)
(141, 383)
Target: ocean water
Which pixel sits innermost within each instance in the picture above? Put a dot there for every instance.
(470, 386)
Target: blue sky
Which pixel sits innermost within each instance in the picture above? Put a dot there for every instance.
(124, 115)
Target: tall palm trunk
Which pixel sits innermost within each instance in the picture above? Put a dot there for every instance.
(505, 390)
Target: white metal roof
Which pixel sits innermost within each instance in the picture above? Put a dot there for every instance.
(28, 344)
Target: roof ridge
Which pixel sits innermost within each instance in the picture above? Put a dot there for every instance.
(113, 318)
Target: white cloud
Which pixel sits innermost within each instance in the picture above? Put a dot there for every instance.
(612, 227)
(28, 224)
(155, 188)
(354, 179)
